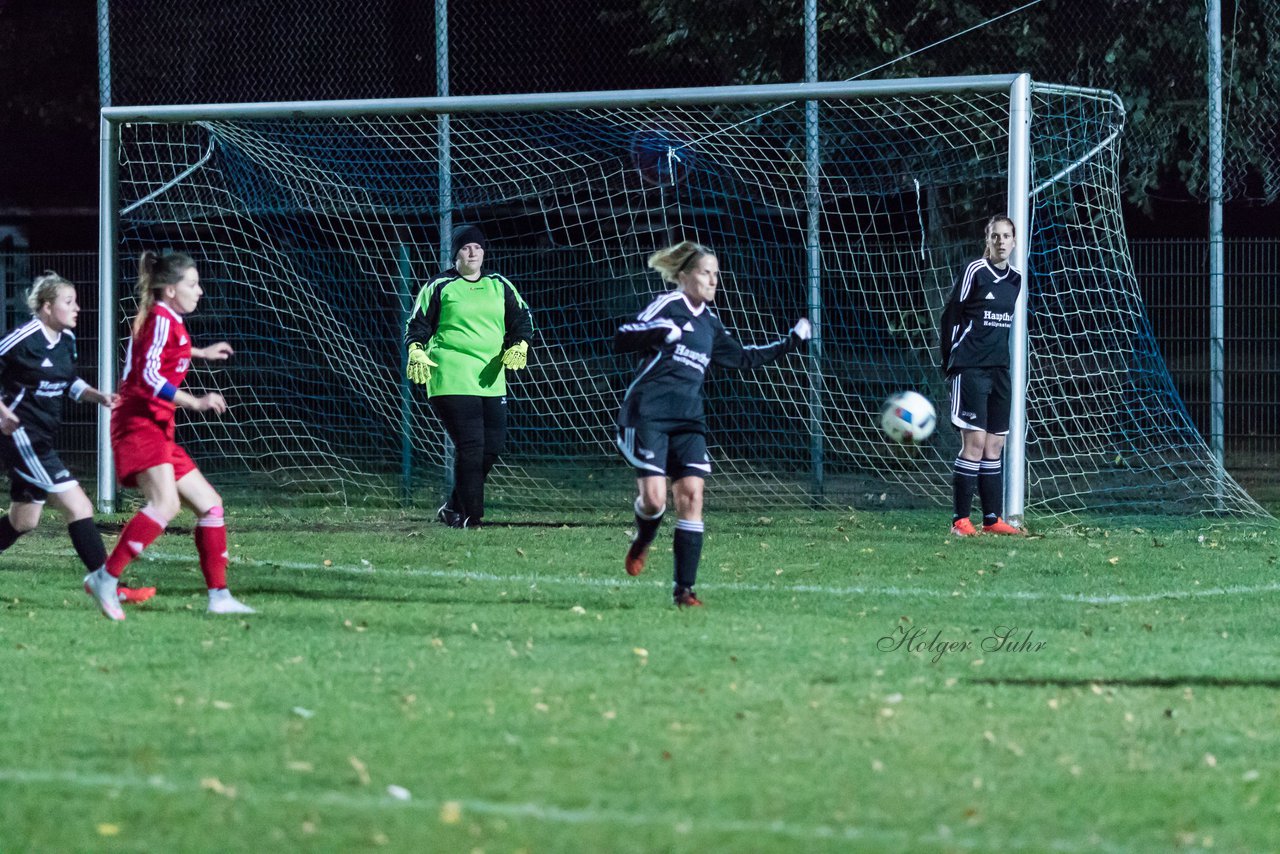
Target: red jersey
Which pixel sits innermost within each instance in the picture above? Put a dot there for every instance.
(155, 365)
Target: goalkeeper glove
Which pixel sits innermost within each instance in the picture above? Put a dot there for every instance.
(516, 356)
(420, 365)
(803, 329)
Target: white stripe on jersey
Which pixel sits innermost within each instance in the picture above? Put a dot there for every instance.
(955, 342)
(657, 357)
(128, 360)
(652, 309)
(26, 330)
(647, 326)
(967, 282)
(151, 364)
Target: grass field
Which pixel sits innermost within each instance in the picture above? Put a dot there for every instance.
(411, 688)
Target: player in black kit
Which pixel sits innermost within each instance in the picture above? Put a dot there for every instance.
(661, 427)
(975, 357)
(37, 370)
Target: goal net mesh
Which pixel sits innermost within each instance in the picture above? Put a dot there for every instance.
(314, 234)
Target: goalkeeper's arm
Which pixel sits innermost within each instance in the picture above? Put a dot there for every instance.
(425, 318)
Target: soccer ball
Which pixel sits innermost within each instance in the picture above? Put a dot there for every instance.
(908, 417)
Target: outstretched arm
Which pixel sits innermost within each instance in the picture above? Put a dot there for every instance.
(727, 352)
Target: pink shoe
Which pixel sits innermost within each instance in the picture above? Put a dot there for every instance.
(134, 595)
(1002, 527)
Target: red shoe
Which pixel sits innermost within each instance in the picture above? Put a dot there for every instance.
(684, 598)
(1002, 527)
(636, 556)
(135, 595)
(964, 528)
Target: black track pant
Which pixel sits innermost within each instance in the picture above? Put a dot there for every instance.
(478, 427)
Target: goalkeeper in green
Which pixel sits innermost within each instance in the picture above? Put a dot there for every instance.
(467, 329)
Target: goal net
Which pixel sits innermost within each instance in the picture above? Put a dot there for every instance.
(314, 231)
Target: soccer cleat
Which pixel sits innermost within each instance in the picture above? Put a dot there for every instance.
(134, 595)
(684, 598)
(101, 587)
(222, 602)
(963, 528)
(636, 556)
(446, 515)
(1000, 526)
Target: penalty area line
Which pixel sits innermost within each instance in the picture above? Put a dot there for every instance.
(747, 587)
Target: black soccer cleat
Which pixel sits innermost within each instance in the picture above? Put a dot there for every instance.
(446, 515)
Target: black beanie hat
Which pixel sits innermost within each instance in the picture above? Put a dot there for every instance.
(464, 235)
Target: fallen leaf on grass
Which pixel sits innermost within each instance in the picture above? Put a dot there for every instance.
(362, 773)
(213, 784)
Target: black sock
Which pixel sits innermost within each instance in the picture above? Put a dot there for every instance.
(88, 543)
(991, 491)
(8, 534)
(647, 526)
(964, 481)
(688, 549)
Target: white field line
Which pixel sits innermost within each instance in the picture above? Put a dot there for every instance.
(551, 814)
(745, 587)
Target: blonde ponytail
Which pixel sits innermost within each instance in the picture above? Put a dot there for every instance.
(673, 260)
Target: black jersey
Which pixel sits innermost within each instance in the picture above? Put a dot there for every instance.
(977, 319)
(35, 375)
(669, 383)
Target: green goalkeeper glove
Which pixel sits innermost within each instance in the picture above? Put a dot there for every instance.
(516, 356)
(420, 365)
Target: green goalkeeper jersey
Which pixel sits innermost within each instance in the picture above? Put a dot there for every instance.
(465, 326)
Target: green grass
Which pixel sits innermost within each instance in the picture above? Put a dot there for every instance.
(531, 697)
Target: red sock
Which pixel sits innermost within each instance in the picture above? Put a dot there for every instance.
(211, 544)
(139, 532)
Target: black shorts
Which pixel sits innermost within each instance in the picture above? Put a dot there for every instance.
(35, 469)
(980, 400)
(665, 449)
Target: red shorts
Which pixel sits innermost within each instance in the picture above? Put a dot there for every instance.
(139, 443)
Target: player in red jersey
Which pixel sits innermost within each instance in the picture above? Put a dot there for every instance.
(142, 430)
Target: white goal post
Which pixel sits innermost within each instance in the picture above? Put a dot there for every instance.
(315, 223)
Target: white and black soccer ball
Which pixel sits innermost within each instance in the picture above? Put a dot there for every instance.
(908, 417)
